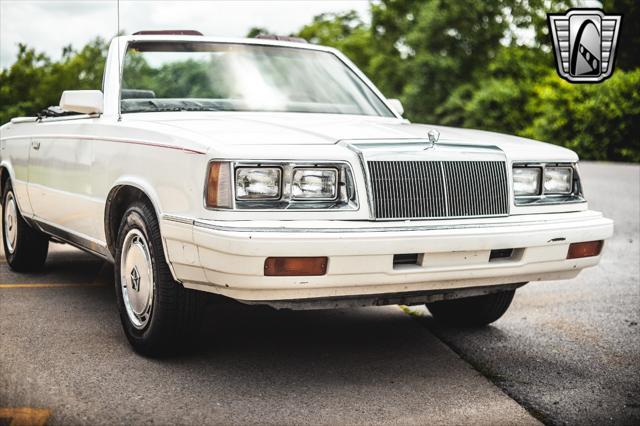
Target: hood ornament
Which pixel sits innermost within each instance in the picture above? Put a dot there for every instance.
(434, 135)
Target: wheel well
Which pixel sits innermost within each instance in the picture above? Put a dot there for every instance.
(4, 177)
(119, 199)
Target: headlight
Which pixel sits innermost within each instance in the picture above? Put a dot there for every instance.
(558, 180)
(280, 185)
(318, 184)
(546, 184)
(526, 181)
(258, 183)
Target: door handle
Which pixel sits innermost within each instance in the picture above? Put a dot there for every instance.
(35, 145)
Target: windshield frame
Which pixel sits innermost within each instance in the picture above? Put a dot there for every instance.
(357, 73)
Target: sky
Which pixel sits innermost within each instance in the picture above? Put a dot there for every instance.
(49, 25)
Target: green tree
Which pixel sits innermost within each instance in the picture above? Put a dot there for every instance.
(256, 31)
(628, 56)
(34, 82)
(426, 51)
(345, 31)
(497, 101)
(452, 42)
(599, 121)
(18, 93)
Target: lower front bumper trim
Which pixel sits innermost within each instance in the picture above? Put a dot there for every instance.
(406, 298)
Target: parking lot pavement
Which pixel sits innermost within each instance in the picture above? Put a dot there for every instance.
(566, 351)
(63, 350)
(569, 351)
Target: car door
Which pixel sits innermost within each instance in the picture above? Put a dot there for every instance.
(16, 153)
(60, 178)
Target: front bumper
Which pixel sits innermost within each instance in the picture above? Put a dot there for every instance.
(227, 258)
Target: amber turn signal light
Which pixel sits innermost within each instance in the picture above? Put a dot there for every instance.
(218, 191)
(295, 266)
(212, 185)
(586, 249)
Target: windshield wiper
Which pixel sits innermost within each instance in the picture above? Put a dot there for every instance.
(174, 109)
(198, 109)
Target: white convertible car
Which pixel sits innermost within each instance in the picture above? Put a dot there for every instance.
(273, 172)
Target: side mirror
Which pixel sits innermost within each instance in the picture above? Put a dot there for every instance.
(82, 101)
(396, 105)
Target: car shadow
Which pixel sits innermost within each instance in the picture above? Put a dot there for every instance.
(364, 365)
(235, 329)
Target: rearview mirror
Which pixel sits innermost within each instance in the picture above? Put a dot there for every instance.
(396, 105)
(82, 101)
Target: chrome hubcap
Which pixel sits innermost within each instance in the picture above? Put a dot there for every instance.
(10, 222)
(136, 278)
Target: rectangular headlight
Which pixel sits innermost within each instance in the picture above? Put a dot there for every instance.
(526, 181)
(259, 183)
(558, 180)
(317, 184)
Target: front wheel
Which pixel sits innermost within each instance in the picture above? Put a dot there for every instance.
(156, 312)
(24, 247)
(474, 311)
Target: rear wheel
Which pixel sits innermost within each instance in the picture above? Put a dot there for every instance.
(25, 248)
(157, 313)
(472, 311)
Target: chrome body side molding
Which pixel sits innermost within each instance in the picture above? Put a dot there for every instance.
(79, 242)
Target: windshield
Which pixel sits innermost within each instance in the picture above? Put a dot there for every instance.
(203, 76)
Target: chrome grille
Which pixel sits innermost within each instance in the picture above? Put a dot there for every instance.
(432, 189)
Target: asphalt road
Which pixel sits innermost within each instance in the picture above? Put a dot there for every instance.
(566, 352)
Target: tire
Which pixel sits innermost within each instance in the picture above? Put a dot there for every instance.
(158, 314)
(24, 247)
(474, 311)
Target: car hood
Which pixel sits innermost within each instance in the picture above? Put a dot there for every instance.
(242, 128)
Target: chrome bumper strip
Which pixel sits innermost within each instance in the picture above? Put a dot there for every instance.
(224, 228)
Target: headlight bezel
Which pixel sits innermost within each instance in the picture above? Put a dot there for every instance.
(575, 195)
(347, 197)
